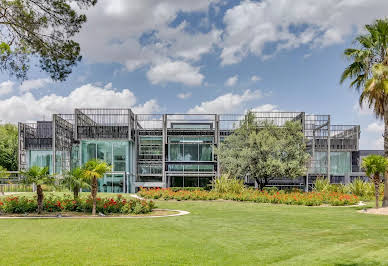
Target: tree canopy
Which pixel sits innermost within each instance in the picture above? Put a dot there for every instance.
(9, 147)
(40, 29)
(264, 151)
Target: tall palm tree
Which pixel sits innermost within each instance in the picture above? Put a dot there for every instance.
(365, 72)
(93, 170)
(375, 165)
(74, 180)
(38, 176)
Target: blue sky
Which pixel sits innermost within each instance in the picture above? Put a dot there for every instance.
(208, 56)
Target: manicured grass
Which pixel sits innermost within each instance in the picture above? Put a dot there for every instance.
(215, 233)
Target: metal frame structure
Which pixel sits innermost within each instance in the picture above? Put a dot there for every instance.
(63, 134)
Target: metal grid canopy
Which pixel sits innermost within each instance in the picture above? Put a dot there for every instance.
(104, 123)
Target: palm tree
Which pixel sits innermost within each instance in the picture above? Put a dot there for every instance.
(74, 180)
(366, 72)
(374, 165)
(93, 170)
(38, 176)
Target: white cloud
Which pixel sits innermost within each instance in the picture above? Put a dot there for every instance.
(255, 78)
(108, 86)
(231, 81)
(266, 108)
(365, 110)
(375, 127)
(184, 95)
(227, 103)
(27, 107)
(177, 71)
(138, 33)
(6, 87)
(287, 24)
(33, 84)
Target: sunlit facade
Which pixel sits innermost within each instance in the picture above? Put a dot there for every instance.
(170, 150)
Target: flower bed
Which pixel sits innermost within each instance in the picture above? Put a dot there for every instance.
(53, 203)
(279, 197)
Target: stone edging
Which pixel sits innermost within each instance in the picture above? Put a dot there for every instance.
(180, 213)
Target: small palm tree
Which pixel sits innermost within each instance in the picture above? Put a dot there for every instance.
(75, 180)
(374, 166)
(93, 170)
(38, 176)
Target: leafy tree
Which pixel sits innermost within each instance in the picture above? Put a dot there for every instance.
(9, 147)
(38, 176)
(264, 151)
(40, 29)
(368, 71)
(93, 170)
(374, 165)
(74, 180)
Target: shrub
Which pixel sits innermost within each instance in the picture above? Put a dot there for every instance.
(322, 184)
(278, 197)
(175, 189)
(226, 184)
(65, 203)
(18, 205)
(270, 189)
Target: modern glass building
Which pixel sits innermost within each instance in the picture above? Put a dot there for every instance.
(170, 150)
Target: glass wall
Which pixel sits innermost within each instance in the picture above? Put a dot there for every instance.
(340, 163)
(189, 181)
(115, 153)
(41, 159)
(190, 148)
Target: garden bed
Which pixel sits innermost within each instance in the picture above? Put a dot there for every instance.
(250, 195)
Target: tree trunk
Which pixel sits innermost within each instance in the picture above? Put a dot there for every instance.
(39, 192)
(260, 183)
(94, 194)
(75, 192)
(385, 199)
(377, 189)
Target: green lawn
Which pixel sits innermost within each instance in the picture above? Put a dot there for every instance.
(215, 233)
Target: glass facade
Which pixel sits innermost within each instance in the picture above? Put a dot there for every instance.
(41, 159)
(190, 149)
(340, 163)
(118, 154)
(115, 153)
(190, 181)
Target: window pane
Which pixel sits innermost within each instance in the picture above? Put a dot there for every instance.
(191, 152)
(205, 152)
(176, 152)
(191, 181)
(177, 181)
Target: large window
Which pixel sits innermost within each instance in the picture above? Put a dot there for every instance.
(115, 153)
(340, 163)
(190, 149)
(41, 159)
(189, 181)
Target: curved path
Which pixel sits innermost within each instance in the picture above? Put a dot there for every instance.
(180, 213)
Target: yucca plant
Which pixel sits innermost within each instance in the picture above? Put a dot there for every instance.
(322, 184)
(226, 184)
(358, 187)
